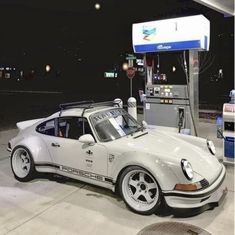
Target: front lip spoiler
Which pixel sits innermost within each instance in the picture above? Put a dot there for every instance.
(189, 212)
(176, 194)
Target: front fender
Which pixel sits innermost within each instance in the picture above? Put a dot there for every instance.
(160, 170)
(194, 140)
(197, 141)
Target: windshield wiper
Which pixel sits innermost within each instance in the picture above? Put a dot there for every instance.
(145, 133)
(141, 128)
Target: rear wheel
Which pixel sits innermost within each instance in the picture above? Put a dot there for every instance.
(22, 164)
(140, 190)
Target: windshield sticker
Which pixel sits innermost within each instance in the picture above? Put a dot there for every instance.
(109, 114)
(117, 127)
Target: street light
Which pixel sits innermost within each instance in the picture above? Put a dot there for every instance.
(97, 6)
(48, 68)
(124, 66)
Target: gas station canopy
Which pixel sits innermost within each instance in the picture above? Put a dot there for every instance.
(223, 6)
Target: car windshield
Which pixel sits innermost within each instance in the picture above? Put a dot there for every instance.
(113, 124)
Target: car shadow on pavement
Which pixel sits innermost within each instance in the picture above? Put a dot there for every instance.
(97, 191)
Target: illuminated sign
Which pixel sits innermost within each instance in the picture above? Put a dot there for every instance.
(110, 75)
(229, 108)
(185, 33)
(130, 57)
(140, 62)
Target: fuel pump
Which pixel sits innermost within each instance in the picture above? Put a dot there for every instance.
(172, 105)
(228, 129)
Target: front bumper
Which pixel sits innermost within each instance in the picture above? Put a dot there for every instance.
(200, 200)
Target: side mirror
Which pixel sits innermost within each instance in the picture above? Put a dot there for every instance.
(145, 124)
(86, 139)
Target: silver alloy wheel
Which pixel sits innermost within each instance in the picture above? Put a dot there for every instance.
(21, 162)
(140, 190)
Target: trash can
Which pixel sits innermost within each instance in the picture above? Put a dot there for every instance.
(229, 147)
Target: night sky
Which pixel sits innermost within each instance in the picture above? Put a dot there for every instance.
(81, 43)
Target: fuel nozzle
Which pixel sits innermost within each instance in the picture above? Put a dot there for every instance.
(181, 121)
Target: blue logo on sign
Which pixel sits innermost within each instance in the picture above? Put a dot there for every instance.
(148, 31)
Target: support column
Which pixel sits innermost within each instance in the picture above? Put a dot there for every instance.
(193, 86)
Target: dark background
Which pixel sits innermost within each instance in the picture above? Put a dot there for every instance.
(81, 43)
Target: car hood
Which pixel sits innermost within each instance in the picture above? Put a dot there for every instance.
(171, 149)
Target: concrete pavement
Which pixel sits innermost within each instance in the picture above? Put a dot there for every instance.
(54, 205)
(5, 136)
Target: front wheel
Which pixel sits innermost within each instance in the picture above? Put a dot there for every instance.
(22, 164)
(139, 190)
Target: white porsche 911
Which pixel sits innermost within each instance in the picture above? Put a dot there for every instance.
(101, 144)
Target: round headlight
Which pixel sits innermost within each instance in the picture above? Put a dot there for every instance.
(187, 169)
(211, 147)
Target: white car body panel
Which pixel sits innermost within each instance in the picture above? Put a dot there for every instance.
(28, 123)
(72, 153)
(159, 152)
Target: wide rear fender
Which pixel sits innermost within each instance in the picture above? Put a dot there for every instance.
(36, 146)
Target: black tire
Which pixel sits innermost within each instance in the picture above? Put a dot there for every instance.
(31, 173)
(130, 201)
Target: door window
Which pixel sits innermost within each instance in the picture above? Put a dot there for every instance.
(73, 127)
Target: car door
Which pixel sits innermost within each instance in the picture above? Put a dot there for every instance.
(74, 157)
(57, 146)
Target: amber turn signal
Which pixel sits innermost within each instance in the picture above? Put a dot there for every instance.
(188, 187)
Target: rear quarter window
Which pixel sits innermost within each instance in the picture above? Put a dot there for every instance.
(47, 128)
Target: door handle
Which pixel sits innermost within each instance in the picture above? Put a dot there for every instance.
(55, 145)
(89, 152)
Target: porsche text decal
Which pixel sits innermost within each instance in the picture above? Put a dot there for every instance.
(77, 172)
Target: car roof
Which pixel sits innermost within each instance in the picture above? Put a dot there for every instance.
(77, 112)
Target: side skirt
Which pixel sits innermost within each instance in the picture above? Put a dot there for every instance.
(77, 174)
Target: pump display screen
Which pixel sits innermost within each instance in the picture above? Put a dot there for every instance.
(229, 126)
